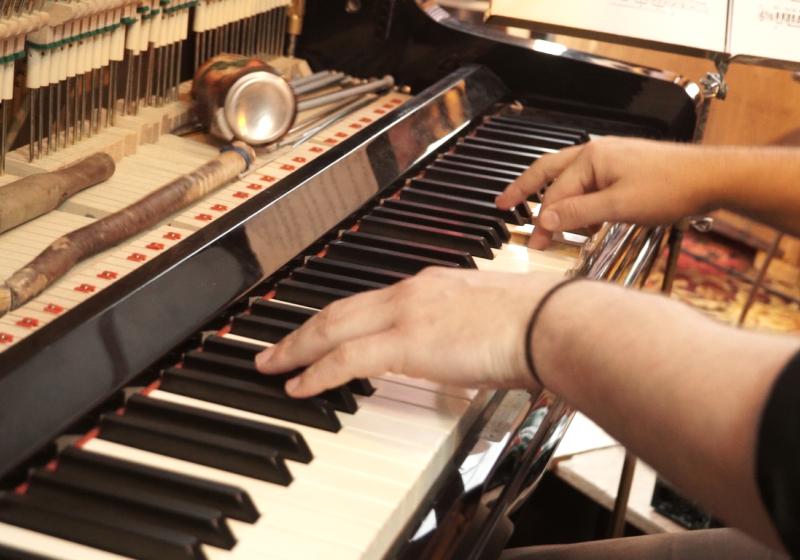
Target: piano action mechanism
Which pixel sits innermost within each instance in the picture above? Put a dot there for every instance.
(132, 422)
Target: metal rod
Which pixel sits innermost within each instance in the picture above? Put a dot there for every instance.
(129, 79)
(321, 82)
(49, 118)
(138, 85)
(92, 102)
(58, 117)
(385, 83)
(3, 147)
(675, 240)
(31, 119)
(762, 272)
(148, 87)
(66, 114)
(39, 140)
(617, 526)
(297, 82)
(112, 92)
(82, 124)
(100, 101)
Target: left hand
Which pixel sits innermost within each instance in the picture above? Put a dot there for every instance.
(456, 327)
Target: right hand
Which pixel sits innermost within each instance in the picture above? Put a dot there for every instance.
(615, 180)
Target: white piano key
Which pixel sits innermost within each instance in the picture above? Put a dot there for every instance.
(399, 413)
(411, 456)
(248, 340)
(461, 392)
(264, 494)
(52, 547)
(347, 532)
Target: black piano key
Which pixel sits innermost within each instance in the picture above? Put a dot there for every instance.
(234, 366)
(261, 328)
(113, 501)
(470, 193)
(482, 169)
(233, 502)
(220, 452)
(8, 553)
(361, 387)
(460, 258)
(282, 311)
(537, 151)
(486, 232)
(370, 273)
(290, 444)
(472, 244)
(491, 162)
(522, 121)
(392, 260)
(497, 224)
(333, 280)
(309, 295)
(251, 397)
(511, 216)
(518, 157)
(453, 189)
(574, 138)
(244, 369)
(127, 537)
(525, 139)
(466, 178)
(229, 347)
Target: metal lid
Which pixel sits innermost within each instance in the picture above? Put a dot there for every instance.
(260, 107)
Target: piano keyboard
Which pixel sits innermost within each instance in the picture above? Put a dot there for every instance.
(152, 166)
(215, 461)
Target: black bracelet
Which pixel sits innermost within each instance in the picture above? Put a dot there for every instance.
(534, 317)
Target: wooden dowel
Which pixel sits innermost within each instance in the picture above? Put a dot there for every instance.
(65, 252)
(30, 197)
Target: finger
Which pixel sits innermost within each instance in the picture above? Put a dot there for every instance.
(540, 238)
(358, 358)
(576, 180)
(581, 211)
(353, 317)
(537, 176)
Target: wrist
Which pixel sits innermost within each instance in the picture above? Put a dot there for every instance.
(547, 339)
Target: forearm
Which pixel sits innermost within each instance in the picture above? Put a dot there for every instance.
(679, 390)
(761, 183)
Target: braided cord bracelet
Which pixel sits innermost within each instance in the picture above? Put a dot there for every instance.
(532, 324)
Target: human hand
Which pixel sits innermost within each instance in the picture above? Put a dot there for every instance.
(456, 327)
(615, 180)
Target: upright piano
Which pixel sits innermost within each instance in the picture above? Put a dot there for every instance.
(132, 421)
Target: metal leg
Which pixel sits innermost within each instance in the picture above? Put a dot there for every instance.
(617, 525)
(751, 297)
(675, 240)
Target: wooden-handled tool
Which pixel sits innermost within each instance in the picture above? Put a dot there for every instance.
(65, 252)
(33, 196)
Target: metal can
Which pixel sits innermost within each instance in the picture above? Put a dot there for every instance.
(239, 97)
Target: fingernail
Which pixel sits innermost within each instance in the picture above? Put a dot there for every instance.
(550, 220)
(263, 358)
(292, 385)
